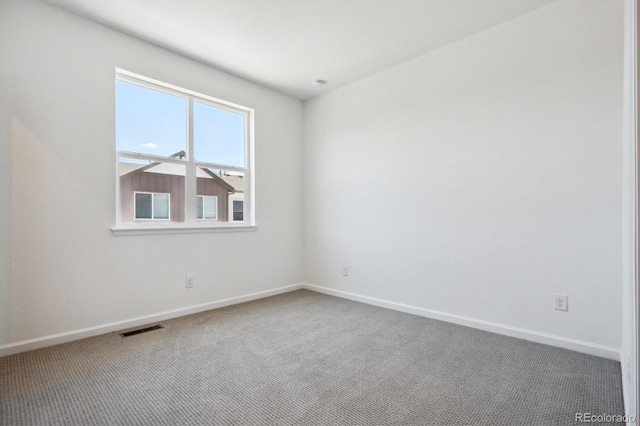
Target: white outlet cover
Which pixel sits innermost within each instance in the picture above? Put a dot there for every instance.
(560, 302)
(189, 281)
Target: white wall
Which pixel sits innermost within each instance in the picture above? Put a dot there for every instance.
(67, 270)
(480, 179)
(5, 209)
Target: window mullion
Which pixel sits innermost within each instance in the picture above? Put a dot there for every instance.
(190, 175)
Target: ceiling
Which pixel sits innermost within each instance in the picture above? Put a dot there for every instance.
(287, 44)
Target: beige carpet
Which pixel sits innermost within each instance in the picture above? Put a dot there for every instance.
(304, 358)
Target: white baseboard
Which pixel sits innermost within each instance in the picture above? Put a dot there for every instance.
(533, 336)
(56, 339)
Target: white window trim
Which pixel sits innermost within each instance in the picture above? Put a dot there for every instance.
(153, 194)
(192, 224)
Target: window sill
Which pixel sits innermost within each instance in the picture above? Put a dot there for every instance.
(168, 230)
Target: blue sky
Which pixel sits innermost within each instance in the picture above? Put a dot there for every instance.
(152, 122)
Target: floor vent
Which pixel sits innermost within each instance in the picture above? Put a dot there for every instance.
(141, 330)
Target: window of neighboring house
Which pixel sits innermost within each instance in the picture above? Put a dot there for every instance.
(181, 152)
(238, 210)
(151, 206)
(207, 207)
(236, 203)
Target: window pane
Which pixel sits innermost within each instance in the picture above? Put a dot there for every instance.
(161, 206)
(199, 207)
(218, 135)
(143, 206)
(238, 210)
(149, 121)
(210, 207)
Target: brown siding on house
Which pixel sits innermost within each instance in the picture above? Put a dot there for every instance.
(169, 184)
(126, 200)
(152, 182)
(211, 187)
(176, 186)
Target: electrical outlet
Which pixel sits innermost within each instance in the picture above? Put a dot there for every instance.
(560, 302)
(189, 281)
(345, 271)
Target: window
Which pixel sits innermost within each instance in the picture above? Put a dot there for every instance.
(183, 158)
(151, 206)
(236, 206)
(207, 207)
(238, 213)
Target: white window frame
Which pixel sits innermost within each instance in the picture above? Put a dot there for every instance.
(153, 213)
(191, 223)
(207, 218)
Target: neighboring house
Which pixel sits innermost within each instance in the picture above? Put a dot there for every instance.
(156, 192)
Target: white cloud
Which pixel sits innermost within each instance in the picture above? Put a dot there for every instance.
(149, 145)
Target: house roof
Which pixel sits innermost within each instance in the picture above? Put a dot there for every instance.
(218, 179)
(127, 168)
(234, 183)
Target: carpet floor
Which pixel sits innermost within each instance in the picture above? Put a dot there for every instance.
(304, 358)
